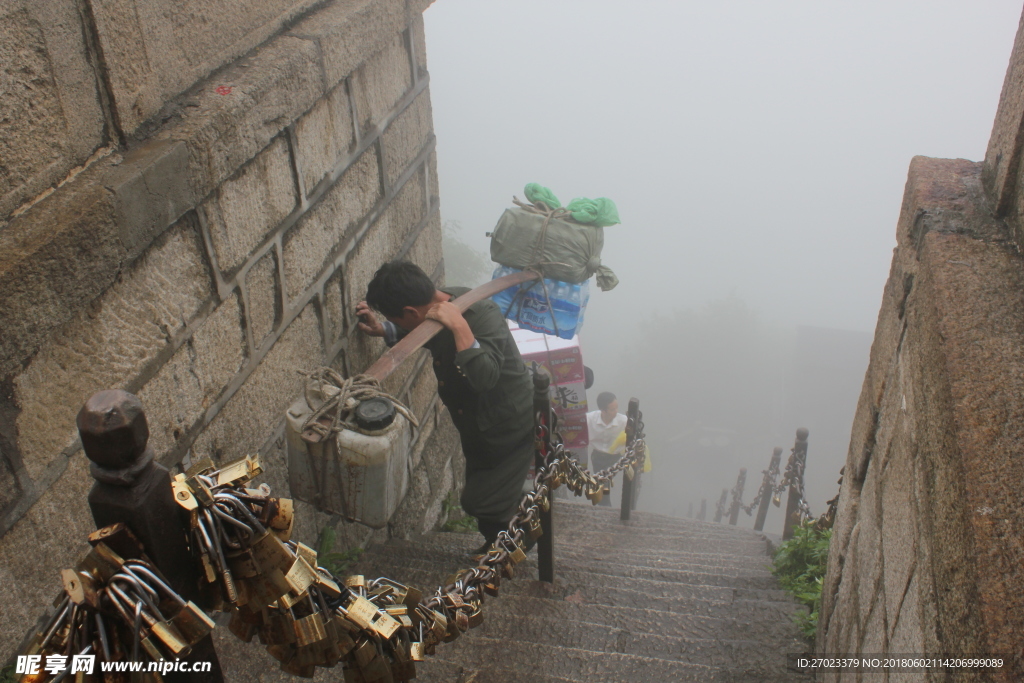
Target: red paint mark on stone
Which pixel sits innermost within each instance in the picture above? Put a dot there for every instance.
(576, 597)
(223, 90)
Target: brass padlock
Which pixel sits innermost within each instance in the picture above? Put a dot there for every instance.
(309, 630)
(242, 629)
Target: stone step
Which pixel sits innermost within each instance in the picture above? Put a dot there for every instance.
(403, 568)
(723, 651)
(596, 514)
(436, 670)
(565, 546)
(505, 660)
(610, 548)
(699, 614)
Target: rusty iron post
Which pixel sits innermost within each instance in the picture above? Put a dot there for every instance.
(797, 462)
(543, 424)
(703, 514)
(767, 489)
(132, 488)
(737, 496)
(629, 482)
(720, 510)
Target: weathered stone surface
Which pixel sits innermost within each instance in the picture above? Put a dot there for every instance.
(153, 51)
(349, 32)
(250, 204)
(108, 345)
(334, 316)
(324, 137)
(250, 416)
(151, 191)
(228, 121)
(419, 41)
(406, 136)
(181, 392)
(264, 300)
(426, 251)
(52, 119)
(941, 393)
(381, 81)
(423, 393)
(54, 260)
(1003, 157)
(51, 535)
(309, 245)
(407, 209)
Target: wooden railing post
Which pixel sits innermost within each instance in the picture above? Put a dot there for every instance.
(797, 462)
(543, 424)
(628, 482)
(737, 496)
(767, 485)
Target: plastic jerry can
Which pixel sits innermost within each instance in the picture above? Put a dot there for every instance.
(363, 474)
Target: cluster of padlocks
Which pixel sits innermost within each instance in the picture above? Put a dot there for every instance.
(117, 606)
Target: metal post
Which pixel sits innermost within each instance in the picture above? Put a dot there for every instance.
(720, 510)
(767, 486)
(133, 489)
(632, 418)
(797, 461)
(703, 509)
(543, 424)
(737, 496)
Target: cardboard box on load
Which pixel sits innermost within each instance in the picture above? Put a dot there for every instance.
(560, 357)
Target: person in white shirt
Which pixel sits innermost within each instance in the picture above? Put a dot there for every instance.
(604, 426)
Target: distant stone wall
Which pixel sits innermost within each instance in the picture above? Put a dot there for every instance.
(193, 196)
(928, 546)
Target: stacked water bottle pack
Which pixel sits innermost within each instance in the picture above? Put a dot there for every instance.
(553, 307)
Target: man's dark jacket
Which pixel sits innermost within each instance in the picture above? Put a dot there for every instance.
(489, 393)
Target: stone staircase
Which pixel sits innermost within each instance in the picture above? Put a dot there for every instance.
(656, 598)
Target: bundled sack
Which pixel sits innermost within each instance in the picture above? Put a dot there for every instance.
(563, 243)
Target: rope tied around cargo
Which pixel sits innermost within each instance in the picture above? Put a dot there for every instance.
(340, 396)
(536, 265)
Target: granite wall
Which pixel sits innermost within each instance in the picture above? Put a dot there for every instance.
(193, 196)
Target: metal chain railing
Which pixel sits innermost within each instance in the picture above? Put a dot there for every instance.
(797, 509)
(117, 606)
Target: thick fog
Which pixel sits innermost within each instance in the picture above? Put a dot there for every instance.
(757, 152)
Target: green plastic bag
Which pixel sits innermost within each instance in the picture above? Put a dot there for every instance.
(600, 212)
(537, 193)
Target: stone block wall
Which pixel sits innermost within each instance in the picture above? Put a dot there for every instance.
(928, 544)
(193, 196)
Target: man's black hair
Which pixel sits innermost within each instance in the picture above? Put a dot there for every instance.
(398, 284)
(604, 399)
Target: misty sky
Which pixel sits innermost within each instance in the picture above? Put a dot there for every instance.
(755, 149)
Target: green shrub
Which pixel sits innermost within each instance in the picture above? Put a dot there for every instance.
(799, 564)
(337, 563)
(456, 519)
